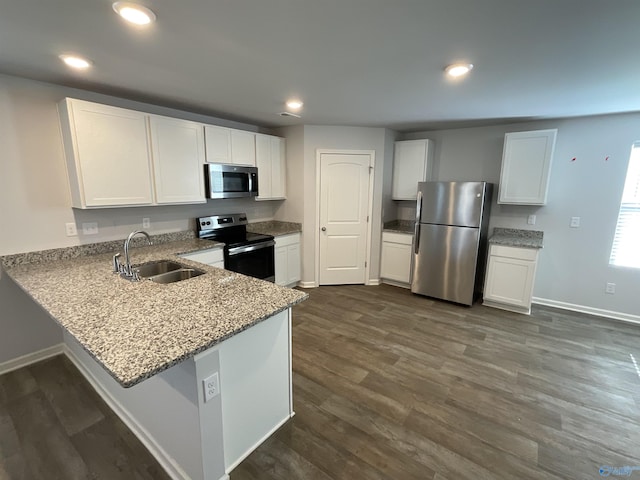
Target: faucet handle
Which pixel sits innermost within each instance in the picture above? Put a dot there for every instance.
(117, 267)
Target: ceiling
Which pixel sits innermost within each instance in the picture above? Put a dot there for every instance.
(352, 62)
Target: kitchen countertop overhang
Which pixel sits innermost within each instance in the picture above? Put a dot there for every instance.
(138, 329)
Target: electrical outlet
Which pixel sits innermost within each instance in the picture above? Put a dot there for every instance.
(71, 229)
(211, 386)
(146, 222)
(610, 288)
(531, 220)
(575, 222)
(90, 228)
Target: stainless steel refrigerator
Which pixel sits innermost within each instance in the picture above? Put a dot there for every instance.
(452, 220)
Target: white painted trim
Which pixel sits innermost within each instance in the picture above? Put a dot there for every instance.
(373, 281)
(166, 462)
(396, 284)
(307, 284)
(249, 451)
(372, 164)
(28, 359)
(625, 317)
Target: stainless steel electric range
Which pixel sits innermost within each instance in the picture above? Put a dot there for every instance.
(247, 253)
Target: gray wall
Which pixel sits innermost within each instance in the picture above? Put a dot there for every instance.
(35, 200)
(574, 266)
(342, 138)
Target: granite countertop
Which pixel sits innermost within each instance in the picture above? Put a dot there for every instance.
(513, 237)
(399, 226)
(275, 228)
(138, 329)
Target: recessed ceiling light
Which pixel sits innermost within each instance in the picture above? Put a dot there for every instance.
(134, 13)
(458, 69)
(294, 104)
(75, 61)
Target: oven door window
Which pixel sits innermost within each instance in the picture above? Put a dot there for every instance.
(256, 263)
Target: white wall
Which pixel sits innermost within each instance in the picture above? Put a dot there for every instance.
(35, 200)
(573, 267)
(341, 138)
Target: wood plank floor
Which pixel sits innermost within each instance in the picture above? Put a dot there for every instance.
(387, 385)
(53, 425)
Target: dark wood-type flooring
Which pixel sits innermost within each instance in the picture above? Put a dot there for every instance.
(387, 385)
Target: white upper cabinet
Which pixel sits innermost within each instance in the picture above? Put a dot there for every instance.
(526, 166)
(119, 157)
(178, 155)
(270, 160)
(412, 163)
(227, 145)
(218, 144)
(243, 148)
(107, 153)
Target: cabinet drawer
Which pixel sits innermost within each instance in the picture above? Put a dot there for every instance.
(402, 238)
(286, 240)
(209, 257)
(521, 253)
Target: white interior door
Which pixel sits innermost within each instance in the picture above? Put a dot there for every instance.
(344, 206)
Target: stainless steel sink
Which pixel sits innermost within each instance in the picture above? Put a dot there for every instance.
(176, 275)
(166, 271)
(157, 268)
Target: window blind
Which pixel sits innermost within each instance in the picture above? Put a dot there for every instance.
(625, 251)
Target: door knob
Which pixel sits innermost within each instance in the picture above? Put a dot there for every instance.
(324, 229)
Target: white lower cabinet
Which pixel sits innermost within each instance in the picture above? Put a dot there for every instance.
(287, 259)
(510, 275)
(397, 254)
(213, 257)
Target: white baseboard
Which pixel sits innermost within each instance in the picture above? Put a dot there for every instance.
(625, 317)
(373, 281)
(307, 284)
(165, 460)
(30, 358)
(396, 284)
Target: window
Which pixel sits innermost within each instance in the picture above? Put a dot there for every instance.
(625, 251)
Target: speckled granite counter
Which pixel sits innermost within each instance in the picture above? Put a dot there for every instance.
(399, 226)
(275, 228)
(138, 329)
(513, 237)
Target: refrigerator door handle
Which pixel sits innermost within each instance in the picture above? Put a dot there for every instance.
(416, 235)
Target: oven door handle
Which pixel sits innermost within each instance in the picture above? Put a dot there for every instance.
(251, 248)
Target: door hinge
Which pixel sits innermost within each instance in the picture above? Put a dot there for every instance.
(365, 264)
(367, 218)
(370, 170)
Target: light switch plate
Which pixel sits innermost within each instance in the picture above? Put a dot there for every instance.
(531, 220)
(575, 222)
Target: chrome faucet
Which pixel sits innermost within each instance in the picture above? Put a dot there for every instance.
(126, 269)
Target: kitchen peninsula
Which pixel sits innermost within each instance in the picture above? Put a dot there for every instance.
(199, 369)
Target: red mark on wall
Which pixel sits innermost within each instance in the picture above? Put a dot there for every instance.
(606, 159)
(573, 159)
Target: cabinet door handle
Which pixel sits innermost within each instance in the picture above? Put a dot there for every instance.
(324, 229)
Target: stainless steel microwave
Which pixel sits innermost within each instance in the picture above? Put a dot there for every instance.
(230, 181)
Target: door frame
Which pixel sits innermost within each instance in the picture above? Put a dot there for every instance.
(316, 237)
